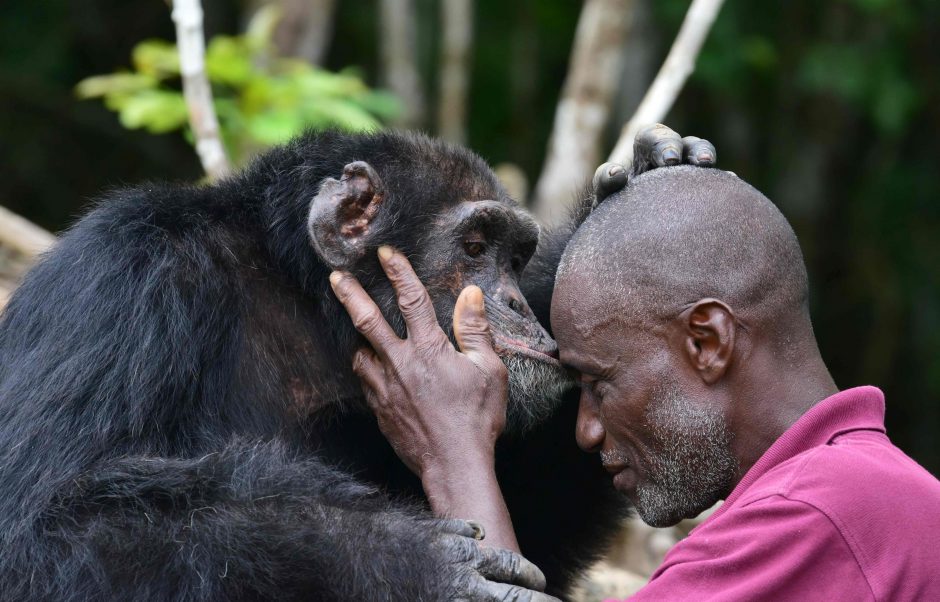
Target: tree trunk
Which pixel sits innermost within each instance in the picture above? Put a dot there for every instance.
(456, 41)
(305, 29)
(399, 59)
(574, 148)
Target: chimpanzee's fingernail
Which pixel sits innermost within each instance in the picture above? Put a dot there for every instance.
(385, 252)
(479, 533)
(671, 156)
(705, 158)
(615, 170)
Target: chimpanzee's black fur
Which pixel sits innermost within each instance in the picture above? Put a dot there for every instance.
(178, 418)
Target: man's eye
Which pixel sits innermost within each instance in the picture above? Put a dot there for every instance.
(474, 248)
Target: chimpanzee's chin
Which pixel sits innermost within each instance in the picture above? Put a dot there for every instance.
(535, 391)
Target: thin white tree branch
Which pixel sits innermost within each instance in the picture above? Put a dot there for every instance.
(187, 15)
(678, 66)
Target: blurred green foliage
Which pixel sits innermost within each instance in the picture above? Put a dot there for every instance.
(260, 99)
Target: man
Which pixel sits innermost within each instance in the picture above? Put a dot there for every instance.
(681, 306)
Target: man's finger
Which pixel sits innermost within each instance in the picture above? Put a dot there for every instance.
(509, 567)
(490, 591)
(696, 151)
(471, 328)
(368, 368)
(365, 314)
(413, 299)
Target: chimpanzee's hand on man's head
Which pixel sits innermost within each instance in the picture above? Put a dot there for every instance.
(654, 146)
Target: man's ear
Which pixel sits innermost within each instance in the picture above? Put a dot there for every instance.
(341, 220)
(708, 330)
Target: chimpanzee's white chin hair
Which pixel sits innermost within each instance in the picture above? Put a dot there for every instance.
(535, 391)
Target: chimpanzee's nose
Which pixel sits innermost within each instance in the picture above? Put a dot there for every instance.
(518, 306)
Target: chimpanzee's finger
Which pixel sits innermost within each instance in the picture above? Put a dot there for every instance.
(491, 591)
(368, 368)
(696, 151)
(507, 566)
(656, 146)
(464, 528)
(413, 299)
(608, 179)
(365, 314)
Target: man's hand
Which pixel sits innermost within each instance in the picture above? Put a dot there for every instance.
(438, 407)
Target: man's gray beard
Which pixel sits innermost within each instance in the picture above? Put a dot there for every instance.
(535, 391)
(691, 466)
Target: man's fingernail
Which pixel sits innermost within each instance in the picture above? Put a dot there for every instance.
(335, 277)
(385, 252)
(476, 298)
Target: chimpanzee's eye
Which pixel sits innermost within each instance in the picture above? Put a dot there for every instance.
(473, 248)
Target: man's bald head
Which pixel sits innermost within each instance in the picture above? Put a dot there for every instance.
(681, 234)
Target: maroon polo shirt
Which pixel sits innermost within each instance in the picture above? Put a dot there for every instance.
(832, 511)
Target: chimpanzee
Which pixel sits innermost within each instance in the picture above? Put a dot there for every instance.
(178, 415)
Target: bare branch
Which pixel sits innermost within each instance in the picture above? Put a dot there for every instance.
(676, 69)
(574, 148)
(457, 37)
(187, 15)
(399, 59)
(22, 235)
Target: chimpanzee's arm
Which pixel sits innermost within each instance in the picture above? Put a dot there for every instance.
(655, 146)
(249, 522)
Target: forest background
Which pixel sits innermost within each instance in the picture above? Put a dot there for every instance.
(830, 108)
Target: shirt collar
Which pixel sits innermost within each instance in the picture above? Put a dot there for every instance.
(860, 408)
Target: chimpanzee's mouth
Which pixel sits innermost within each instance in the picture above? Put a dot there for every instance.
(505, 345)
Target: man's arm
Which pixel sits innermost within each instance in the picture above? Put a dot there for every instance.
(451, 445)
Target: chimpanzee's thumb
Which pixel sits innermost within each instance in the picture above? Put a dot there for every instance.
(471, 328)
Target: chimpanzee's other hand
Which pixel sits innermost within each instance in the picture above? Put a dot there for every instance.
(654, 146)
(485, 574)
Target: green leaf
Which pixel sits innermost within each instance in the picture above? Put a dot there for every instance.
(158, 58)
(115, 83)
(228, 61)
(158, 111)
(275, 127)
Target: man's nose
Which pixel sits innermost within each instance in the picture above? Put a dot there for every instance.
(589, 432)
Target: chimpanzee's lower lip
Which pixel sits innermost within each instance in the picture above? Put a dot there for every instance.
(504, 345)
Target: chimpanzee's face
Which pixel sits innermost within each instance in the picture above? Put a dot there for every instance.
(474, 236)
(488, 243)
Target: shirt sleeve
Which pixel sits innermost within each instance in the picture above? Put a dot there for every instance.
(771, 549)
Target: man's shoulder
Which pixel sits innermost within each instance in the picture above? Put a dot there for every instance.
(884, 505)
(857, 471)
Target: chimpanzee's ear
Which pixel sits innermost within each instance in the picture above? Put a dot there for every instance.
(341, 215)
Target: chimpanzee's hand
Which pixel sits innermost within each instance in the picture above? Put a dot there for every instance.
(486, 574)
(654, 146)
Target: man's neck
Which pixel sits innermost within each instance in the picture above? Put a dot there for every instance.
(771, 402)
